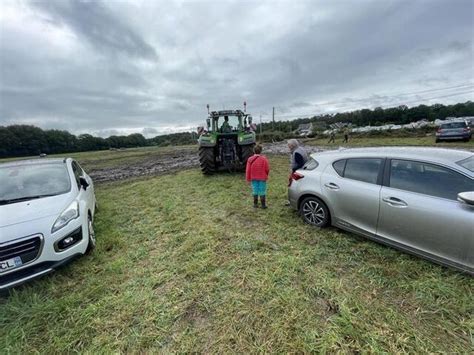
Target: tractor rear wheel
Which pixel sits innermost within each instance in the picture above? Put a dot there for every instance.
(207, 160)
(247, 152)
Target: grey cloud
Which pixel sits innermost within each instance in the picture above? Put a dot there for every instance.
(303, 58)
(149, 131)
(300, 104)
(92, 21)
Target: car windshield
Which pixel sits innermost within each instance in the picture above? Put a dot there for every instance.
(467, 163)
(453, 125)
(24, 182)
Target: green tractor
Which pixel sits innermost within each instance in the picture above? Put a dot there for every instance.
(227, 142)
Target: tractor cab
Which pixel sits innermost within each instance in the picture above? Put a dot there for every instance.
(227, 142)
(228, 121)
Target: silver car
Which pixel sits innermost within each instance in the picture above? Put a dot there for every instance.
(454, 131)
(419, 200)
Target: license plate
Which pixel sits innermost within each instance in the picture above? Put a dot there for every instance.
(9, 264)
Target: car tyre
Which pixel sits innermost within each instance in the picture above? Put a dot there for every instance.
(91, 235)
(314, 212)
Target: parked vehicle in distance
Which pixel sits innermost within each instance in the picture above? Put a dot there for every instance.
(47, 211)
(470, 122)
(455, 130)
(419, 200)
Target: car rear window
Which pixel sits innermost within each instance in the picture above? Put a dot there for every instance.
(467, 163)
(453, 125)
(311, 164)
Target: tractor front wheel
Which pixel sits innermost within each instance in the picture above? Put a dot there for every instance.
(247, 152)
(207, 160)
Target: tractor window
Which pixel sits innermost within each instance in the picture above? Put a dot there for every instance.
(231, 124)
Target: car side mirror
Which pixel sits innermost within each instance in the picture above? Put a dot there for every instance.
(467, 198)
(83, 182)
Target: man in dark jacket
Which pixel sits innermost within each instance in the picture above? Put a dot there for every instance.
(299, 157)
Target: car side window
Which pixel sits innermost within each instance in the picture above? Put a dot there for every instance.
(77, 173)
(428, 179)
(339, 166)
(363, 169)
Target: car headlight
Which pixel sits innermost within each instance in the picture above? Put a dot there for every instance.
(70, 213)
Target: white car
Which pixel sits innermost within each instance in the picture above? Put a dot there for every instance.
(47, 209)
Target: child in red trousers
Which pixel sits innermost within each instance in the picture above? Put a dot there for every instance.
(256, 172)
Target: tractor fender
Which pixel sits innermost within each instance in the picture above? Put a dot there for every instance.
(246, 138)
(207, 141)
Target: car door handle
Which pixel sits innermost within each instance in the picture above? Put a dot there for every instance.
(332, 186)
(395, 202)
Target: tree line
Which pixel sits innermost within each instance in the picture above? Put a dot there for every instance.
(24, 140)
(376, 117)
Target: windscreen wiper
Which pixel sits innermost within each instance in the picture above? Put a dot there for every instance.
(21, 199)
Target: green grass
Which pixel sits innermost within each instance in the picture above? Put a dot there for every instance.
(355, 141)
(185, 264)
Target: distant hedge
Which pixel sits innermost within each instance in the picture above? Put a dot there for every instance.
(23, 140)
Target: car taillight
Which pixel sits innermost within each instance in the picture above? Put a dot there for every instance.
(294, 177)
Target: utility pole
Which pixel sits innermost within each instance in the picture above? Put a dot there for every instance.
(260, 126)
(273, 119)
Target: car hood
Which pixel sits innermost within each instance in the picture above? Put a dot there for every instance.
(35, 209)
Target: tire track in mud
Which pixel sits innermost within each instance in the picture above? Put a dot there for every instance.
(150, 167)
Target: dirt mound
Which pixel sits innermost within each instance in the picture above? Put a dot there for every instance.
(281, 148)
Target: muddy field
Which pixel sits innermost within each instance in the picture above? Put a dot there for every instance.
(173, 160)
(156, 165)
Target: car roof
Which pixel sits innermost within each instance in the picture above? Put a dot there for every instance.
(440, 155)
(37, 161)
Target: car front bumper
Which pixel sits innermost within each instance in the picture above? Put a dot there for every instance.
(48, 257)
(32, 272)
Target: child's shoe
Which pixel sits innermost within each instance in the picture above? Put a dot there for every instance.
(255, 201)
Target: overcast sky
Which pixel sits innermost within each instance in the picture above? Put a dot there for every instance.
(117, 67)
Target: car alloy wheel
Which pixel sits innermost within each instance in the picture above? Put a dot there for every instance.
(314, 212)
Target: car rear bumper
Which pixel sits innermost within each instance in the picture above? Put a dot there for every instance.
(293, 198)
(453, 137)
